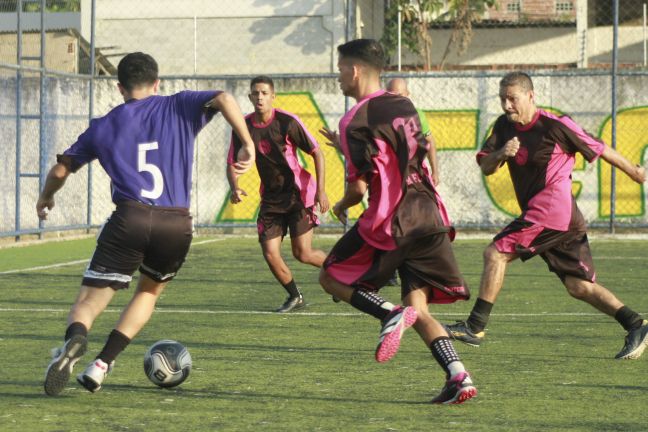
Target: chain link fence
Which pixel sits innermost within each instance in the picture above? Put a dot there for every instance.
(43, 110)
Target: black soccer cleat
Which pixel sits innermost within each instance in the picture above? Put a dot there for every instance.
(292, 304)
(461, 331)
(635, 343)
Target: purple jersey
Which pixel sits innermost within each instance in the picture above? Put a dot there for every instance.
(146, 147)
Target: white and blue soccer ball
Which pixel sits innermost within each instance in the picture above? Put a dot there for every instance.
(167, 363)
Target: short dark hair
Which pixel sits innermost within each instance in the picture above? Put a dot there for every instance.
(368, 51)
(517, 79)
(262, 79)
(137, 69)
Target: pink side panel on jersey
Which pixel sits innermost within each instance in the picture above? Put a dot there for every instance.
(352, 171)
(386, 192)
(303, 180)
(551, 207)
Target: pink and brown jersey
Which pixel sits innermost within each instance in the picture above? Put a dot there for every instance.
(541, 170)
(283, 179)
(382, 142)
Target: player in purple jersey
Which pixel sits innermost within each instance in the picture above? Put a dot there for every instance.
(539, 149)
(288, 193)
(405, 226)
(146, 146)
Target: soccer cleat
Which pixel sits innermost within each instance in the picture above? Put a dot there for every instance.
(635, 343)
(393, 281)
(63, 361)
(392, 330)
(292, 304)
(456, 390)
(335, 299)
(94, 375)
(461, 332)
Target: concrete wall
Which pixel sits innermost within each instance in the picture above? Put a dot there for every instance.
(460, 109)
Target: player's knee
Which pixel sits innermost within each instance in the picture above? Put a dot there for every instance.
(577, 288)
(325, 280)
(302, 255)
(492, 255)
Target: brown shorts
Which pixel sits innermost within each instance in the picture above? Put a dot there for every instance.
(567, 253)
(297, 218)
(155, 239)
(423, 262)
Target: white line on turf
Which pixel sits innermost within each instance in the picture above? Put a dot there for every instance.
(252, 312)
(69, 263)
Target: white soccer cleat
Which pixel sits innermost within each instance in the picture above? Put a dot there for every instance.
(94, 375)
(63, 361)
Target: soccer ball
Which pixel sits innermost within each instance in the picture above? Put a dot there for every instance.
(167, 363)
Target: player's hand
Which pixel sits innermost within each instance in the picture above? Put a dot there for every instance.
(340, 213)
(244, 161)
(639, 174)
(323, 202)
(43, 206)
(236, 195)
(332, 136)
(435, 179)
(511, 147)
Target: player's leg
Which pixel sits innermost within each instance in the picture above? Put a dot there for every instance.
(471, 331)
(166, 244)
(303, 251)
(104, 275)
(459, 386)
(572, 262)
(353, 272)
(272, 228)
(301, 224)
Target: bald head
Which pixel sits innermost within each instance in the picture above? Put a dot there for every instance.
(398, 86)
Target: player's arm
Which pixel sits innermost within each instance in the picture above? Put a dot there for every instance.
(320, 170)
(353, 195)
(614, 158)
(236, 193)
(432, 157)
(56, 178)
(225, 103)
(491, 162)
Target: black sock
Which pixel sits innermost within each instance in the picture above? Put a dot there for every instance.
(479, 315)
(371, 303)
(292, 289)
(116, 343)
(76, 328)
(444, 353)
(628, 318)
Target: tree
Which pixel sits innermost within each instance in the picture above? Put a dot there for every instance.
(419, 15)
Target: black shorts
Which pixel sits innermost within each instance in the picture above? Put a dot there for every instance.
(422, 262)
(567, 253)
(297, 218)
(155, 239)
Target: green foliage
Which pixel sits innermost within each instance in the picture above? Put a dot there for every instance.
(546, 363)
(419, 15)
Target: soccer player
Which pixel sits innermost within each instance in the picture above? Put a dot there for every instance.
(405, 226)
(288, 192)
(399, 86)
(539, 149)
(146, 147)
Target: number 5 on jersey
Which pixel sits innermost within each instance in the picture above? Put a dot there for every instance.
(142, 165)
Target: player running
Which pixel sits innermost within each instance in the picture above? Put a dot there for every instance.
(288, 193)
(539, 149)
(146, 147)
(405, 226)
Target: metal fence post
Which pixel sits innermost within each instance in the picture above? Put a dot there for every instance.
(615, 65)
